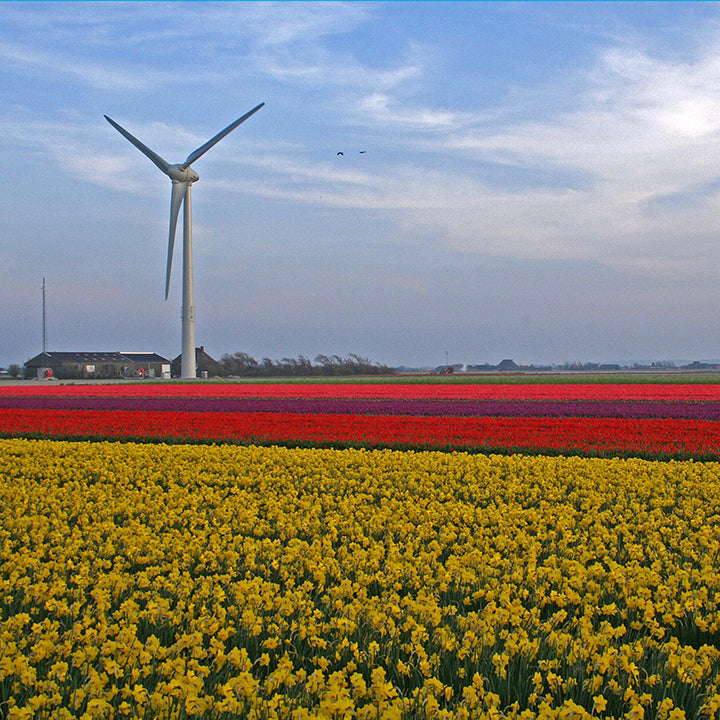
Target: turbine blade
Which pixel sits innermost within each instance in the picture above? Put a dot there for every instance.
(159, 162)
(195, 154)
(178, 195)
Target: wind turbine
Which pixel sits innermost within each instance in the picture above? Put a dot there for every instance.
(183, 176)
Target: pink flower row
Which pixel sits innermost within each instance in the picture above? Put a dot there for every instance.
(550, 391)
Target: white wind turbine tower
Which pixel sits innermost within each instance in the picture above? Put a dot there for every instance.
(183, 176)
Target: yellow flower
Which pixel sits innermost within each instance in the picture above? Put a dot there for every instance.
(359, 686)
(636, 712)
(139, 694)
(315, 682)
(96, 708)
(711, 706)
(381, 688)
(15, 713)
(664, 708)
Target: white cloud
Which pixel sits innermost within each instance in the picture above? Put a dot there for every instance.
(101, 76)
(642, 129)
(118, 78)
(281, 23)
(381, 109)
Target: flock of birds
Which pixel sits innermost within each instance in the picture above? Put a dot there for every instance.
(340, 152)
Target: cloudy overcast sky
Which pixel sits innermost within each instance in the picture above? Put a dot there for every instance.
(536, 181)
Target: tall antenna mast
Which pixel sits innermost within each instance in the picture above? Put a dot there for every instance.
(44, 319)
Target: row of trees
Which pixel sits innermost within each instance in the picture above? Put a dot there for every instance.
(243, 365)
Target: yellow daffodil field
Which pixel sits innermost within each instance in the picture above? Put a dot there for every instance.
(225, 581)
(359, 552)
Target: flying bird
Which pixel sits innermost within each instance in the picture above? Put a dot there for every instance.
(341, 153)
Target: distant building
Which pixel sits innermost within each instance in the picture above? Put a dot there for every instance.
(203, 362)
(76, 365)
(507, 365)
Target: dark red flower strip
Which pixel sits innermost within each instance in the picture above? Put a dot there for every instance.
(590, 435)
(361, 406)
(558, 391)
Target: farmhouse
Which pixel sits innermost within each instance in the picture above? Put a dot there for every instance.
(70, 365)
(206, 365)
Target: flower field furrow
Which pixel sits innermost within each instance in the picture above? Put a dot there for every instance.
(219, 582)
(605, 436)
(358, 406)
(681, 392)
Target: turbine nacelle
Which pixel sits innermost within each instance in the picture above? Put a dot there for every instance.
(180, 173)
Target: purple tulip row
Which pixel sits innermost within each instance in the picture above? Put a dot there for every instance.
(448, 408)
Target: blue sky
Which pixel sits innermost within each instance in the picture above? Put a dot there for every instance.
(539, 181)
